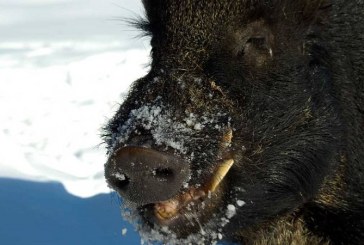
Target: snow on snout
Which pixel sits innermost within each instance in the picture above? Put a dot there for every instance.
(161, 123)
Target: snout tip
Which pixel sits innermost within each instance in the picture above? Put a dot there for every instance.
(142, 175)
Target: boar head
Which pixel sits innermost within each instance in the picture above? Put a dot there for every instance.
(234, 125)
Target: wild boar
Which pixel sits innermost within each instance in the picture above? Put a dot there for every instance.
(248, 126)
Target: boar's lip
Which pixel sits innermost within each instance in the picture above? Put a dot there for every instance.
(167, 211)
(173, 210)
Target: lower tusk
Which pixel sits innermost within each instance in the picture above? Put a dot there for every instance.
(219, 175)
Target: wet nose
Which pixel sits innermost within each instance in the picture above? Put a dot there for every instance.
(142, 175)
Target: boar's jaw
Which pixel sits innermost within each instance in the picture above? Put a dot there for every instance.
(168, 210)
(192, 208)
(189, 212)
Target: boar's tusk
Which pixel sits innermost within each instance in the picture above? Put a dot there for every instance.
(219, 174)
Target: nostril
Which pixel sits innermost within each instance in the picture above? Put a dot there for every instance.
(164, 174)
(121, 181)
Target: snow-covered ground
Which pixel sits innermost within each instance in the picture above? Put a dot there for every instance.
(64, 68)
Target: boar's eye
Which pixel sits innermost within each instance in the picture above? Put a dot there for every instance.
(257, 42)
(257, 50)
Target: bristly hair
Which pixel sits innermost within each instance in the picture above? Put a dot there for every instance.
(308, 12)
(142, 24)
(316, 10)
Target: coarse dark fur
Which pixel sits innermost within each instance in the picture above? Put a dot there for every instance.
(287, 77)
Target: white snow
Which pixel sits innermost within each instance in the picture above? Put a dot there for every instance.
(57, 92)
(51, 117)
(160, 124)
(240, 203)
(120, 177)
(198, 126)
(231, 211)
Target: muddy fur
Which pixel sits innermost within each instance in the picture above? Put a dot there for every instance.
(287, 77)
(286, 230)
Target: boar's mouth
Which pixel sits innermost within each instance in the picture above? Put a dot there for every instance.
(190, 212)
(171, 211)
(194, 205)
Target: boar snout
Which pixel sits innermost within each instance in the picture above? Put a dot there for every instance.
(142, 175)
